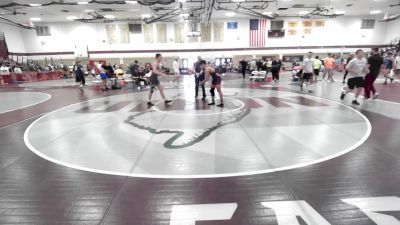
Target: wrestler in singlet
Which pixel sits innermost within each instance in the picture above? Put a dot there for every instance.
(216, 80)
(154, 82)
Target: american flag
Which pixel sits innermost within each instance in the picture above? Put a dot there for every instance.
(257, 32)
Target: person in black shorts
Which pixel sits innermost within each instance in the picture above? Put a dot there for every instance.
(80, 75)
(357, 68)
(154, 82)
(275, 69)
(317, 63)
(215, 83)
(244, 64)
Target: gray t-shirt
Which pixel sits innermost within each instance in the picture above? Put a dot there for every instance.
(308, 65)
(356, 67)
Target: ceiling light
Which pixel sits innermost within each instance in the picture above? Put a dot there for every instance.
(267, 13)
(239, 0)
(229, 14)
(286, 0)
(36, 19)
(109, 16)
(72, 17)
(35, 5)
(146, 15)
(303, 12)
(181, 1)
(375, 12)
(340, 12)
(83, 3)
(184, 15)
(131, 2)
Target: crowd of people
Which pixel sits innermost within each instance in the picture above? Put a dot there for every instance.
(9, 65)
(364, 72)
(12, 66)
(360, 72)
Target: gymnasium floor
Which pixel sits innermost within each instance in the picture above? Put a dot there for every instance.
(272, 155)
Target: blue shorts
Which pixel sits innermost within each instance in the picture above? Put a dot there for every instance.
(103, 76)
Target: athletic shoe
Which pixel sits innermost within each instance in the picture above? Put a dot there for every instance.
(385, 82)
(342, 96)
(391, 80)
(212, 103)
(376, 95)
(310, 91)
(81, 86)
(221, 105)
(354, 102)
(203, 98)
(343, 82)
(150, 104)
(167, 101)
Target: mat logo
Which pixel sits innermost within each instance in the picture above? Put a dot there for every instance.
(180, 137)
(181, 104)
(288, 212)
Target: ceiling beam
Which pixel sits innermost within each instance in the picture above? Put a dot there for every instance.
(210, 10)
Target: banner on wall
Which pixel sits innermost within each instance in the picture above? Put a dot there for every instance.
(307, 31)
(148, 33)
(205, 33)
(292, 23)
(218, 32)
(257, 32)
(292, 58)
(161, 29)
(117, 33)
(319, 23)
(276, 33)
(307, 23)
(232, 25)
(179, 32)
(292, 32)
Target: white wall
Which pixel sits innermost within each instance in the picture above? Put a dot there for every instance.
(65, 36)
(392, 31)
(14, 38)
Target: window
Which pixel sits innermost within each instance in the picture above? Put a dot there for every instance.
(42, 31)
(368, 24)
(276, 24)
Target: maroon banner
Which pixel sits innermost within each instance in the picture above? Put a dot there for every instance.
(29, 76)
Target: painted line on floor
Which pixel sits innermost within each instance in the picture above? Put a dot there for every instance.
(48, 97)
(300, 165)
